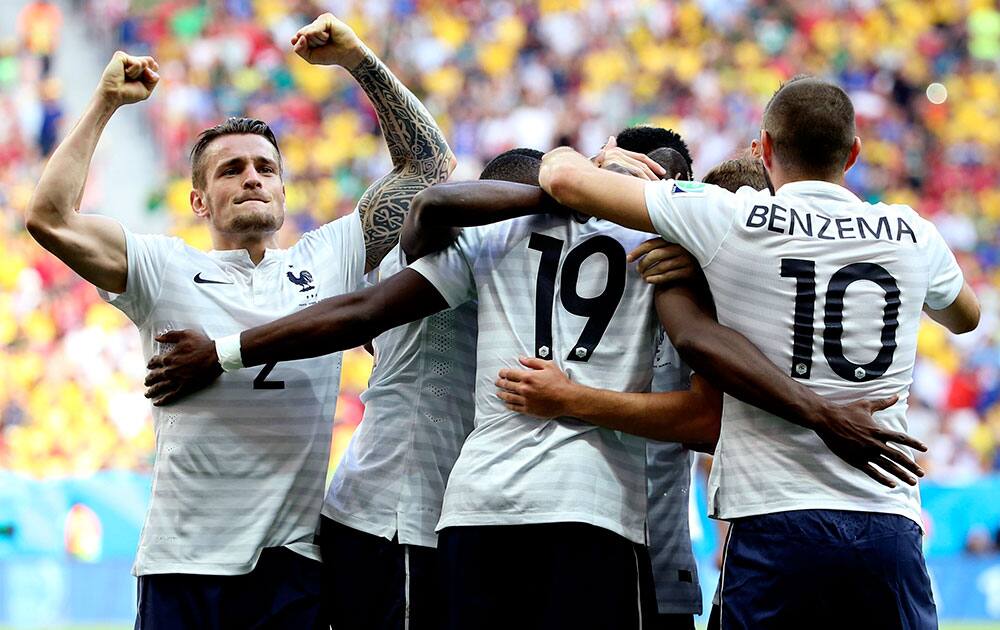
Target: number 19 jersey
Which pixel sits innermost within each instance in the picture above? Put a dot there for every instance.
(554, 288)
(830, 288)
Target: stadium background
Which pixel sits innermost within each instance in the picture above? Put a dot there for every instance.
(75, 432)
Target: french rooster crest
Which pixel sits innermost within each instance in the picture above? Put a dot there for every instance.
(304, 280)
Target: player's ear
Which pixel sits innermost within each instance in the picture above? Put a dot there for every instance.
(198, 205)
(766, 149)
(852, 157)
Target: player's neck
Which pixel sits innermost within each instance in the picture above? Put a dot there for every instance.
(255, 244)
(780, 178)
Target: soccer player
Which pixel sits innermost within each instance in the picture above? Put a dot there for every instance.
(238, 475)
(482, 598)
(831, 289)
(377, 534)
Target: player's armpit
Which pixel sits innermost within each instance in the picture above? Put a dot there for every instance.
(962, 315)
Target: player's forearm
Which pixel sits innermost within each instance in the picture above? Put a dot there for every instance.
(730, 361)
(598, 192)
(438, 212)
(332, 325)
(342, 322)
(60, 188)
(420, 156)
(682, 416)
(411, 133)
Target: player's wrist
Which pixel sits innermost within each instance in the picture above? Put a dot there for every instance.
(229, 352)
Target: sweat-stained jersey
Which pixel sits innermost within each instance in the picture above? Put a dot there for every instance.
(830, 288)
(553, 288)
(418, 410)
(240, 465)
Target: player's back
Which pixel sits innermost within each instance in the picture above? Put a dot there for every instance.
(830, 288)
(558, 289)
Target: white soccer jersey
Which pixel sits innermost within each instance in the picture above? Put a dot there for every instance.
(830, 288)
(240, 465)
(418, 411)
(557, 289)
(668, 500)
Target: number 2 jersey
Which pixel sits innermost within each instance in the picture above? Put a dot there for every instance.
(830, 288)
(240, 465)
(554, 288)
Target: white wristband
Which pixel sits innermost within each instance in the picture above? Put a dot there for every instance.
(230, 355)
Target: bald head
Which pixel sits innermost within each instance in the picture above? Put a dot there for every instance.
(811, 126)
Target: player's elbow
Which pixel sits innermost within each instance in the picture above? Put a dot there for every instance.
(692, 343)
(38, 221)
(968, 320)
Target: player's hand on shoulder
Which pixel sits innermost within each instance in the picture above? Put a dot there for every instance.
(192, 364)
(542, 390)
(613, 158)
(850, 431)
(327, 41)
(128, 79)
(661, 262)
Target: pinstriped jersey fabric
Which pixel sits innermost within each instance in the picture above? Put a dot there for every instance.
(668, 485)
(239, 466)
(418, 411)
(830, 288)
(558, 289)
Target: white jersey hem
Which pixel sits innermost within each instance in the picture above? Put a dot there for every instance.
(382, 531)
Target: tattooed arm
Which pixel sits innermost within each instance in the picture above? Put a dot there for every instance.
(420, 154)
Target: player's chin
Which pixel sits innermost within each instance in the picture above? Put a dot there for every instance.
(252, 221)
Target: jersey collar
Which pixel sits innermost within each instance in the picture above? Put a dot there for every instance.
(817, 188)
(242, 256)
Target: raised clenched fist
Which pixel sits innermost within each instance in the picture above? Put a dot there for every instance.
(128, 79)
(328, 41)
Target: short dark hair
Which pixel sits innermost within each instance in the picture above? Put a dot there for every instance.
(232, 126)
(811, 125)
(646, 139)
(737, 173)
(519, 165)
(672, 162)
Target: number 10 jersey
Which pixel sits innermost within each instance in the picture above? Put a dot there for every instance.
(830, 288)
(557, 289)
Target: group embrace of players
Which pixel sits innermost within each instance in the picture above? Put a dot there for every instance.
(524, 457)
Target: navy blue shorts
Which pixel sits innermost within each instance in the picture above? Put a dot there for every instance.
(282, 591)
(541, 577)
(822, 569)
(372, 583)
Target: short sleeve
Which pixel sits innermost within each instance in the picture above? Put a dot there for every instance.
(945, 279)
(345, 238)
(694, 215)
(148, 256)
(451, 271)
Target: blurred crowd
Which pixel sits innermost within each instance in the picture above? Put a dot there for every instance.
(498, 75)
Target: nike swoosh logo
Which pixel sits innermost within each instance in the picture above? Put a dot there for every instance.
(199, 280)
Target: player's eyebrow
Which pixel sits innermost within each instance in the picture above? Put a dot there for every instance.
(236, 161)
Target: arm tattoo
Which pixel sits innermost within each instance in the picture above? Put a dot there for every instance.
(420, 156)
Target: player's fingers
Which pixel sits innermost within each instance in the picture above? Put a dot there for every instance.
(157, 390)
(903, 439)
(511, 398)
(636, 167)
(153, 376)
(533, 363)
(653, 165)
(870, 470)
(664, 278)
(896, 471)
(171, 336)
(662, 258)
(884, 403)
(166, 398)
(645, 248)
(902, 459)
(511, 374)
(155, 362)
